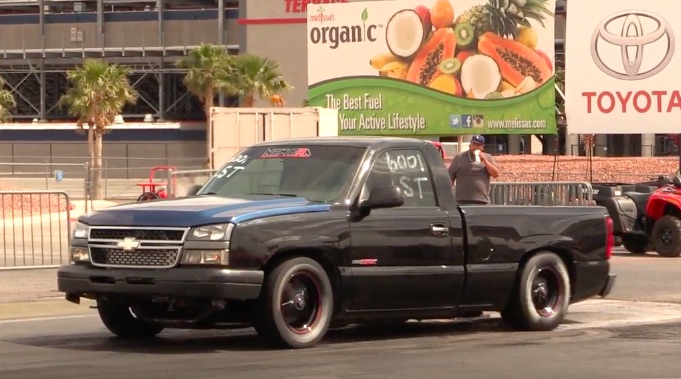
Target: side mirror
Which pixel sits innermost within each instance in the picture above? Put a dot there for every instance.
(194, 189)
(677, 182)
(384, 197)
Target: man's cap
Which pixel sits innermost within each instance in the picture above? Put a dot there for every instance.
(478, 139)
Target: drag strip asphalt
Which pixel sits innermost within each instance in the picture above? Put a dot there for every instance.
(77, 347)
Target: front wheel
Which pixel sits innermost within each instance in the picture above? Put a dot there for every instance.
(120, 321)
(542, 295)
(295, 307)
(666, 236)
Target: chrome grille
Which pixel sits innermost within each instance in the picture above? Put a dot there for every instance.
(136, 247)
(139, 258)
(140, 234)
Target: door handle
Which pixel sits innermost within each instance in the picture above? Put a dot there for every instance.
(439, 229)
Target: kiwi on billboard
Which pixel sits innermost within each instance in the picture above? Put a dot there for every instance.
(434, 67)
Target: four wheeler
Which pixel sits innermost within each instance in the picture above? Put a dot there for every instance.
(154, 190)
(647, 216)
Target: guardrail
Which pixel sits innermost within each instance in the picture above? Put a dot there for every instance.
(35, 228)
(541, 193)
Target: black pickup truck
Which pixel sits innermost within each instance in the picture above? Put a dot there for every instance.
(296, 236)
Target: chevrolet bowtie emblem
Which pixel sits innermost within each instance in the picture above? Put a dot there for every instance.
(128, 244)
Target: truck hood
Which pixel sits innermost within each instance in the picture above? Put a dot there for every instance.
(199, 210)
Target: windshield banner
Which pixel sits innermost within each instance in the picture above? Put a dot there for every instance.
(439, 68)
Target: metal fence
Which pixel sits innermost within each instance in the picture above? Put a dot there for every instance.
(181, 181)
(35, 228)
(541, 193)
(118, 183)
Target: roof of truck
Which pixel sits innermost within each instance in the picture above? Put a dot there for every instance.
(345, 141)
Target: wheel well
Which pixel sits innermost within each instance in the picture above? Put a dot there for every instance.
(672, 211)
(324, 258)
(564, 255)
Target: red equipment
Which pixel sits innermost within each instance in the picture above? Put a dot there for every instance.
(154, 190)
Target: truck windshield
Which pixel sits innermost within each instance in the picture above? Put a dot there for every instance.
(317, 173)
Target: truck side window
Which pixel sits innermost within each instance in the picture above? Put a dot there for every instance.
(406, 169)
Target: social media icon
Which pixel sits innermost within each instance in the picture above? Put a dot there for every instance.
(478, 121)
(467, 121)
(454, 120)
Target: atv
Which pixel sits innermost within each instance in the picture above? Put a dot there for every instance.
(646, 216)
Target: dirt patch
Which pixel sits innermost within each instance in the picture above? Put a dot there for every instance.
(536, 168)
(19, 205)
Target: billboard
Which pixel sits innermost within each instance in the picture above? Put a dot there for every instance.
(622, 73)
(436, 67)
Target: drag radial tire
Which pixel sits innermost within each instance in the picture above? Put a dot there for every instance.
(541, 295)
(666, 236)
(121, 322)
(295, 306)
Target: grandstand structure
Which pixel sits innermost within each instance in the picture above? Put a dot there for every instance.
(41, 40)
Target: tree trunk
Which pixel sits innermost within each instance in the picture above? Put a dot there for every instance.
(249, 101)
(97, 180)
(207, 104)
(91, 155)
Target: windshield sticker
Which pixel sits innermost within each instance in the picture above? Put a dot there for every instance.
(411, 172)
(301, 152)
(240, 159)
(228, 171)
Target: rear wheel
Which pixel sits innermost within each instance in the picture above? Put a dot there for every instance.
(295, 307)
(636, 245)
(666, 236)
(120, 321)
(541, 296)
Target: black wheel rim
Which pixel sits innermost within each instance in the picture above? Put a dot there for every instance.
(301, 303)
(547, 292)
(666, 237)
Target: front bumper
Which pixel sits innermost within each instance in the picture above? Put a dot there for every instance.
(608, 285)
(200, 283)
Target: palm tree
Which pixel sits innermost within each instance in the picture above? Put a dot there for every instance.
(207, 73)
(252, 75)
(7, 101)
(97, 94)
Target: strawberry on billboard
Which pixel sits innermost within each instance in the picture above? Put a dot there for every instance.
(621, 70)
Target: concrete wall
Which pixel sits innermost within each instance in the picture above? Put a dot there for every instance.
(121, 160)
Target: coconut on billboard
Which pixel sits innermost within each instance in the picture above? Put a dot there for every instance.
(621, 70)
(435, 67)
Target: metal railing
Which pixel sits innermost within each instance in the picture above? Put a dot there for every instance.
(541, 193)
(36, 228)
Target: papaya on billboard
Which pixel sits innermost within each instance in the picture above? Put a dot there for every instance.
(438, 67)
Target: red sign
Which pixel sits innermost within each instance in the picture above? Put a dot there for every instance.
(300, 6)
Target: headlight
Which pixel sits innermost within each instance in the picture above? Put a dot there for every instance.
(80, 254)
(81, 230)
(206, 257)
(217, 232)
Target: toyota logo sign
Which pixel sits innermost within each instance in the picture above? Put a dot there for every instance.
(632, 45)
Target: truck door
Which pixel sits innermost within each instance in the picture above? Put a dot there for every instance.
(402, 258)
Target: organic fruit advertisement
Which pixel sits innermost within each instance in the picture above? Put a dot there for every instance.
(435, 67)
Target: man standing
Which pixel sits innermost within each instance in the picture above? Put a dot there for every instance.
(472, 171)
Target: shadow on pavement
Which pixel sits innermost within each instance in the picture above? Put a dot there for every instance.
(190, 342)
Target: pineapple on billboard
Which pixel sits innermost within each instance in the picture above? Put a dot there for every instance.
(434, 67)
